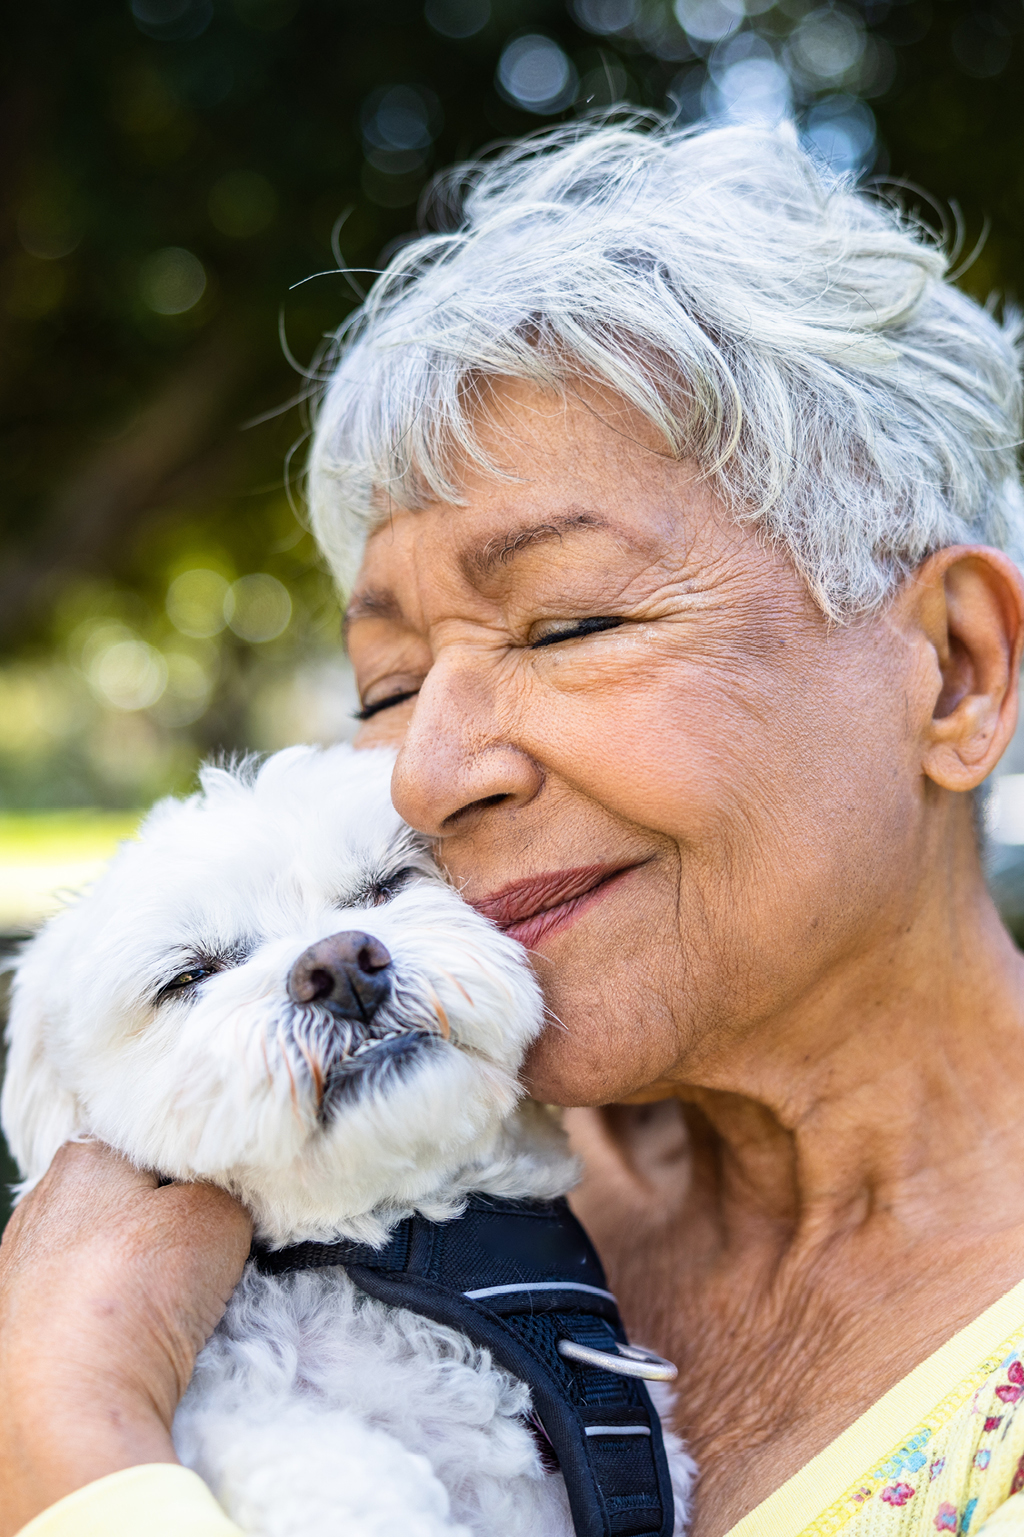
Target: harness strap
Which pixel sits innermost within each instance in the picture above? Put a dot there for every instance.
(517, 1278)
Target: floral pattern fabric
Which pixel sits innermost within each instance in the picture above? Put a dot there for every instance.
(953, 1472)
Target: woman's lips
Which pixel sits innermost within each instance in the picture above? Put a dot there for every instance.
(534, 909)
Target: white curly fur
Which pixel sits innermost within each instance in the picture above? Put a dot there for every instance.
(313, 1409)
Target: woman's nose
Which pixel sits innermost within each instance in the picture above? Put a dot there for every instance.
(459, 756)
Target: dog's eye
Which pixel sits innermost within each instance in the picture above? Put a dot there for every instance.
(380, 890)
(184, 980)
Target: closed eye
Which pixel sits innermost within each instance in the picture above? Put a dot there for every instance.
(370, 710)
(574, 629)
(381, 889)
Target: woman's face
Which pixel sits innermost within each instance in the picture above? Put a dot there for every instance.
(637, 744)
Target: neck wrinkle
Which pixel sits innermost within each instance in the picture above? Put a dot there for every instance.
(873, 1109)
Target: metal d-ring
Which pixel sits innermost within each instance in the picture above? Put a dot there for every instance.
(637, 1362)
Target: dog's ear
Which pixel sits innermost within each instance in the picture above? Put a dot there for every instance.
(37, 1113)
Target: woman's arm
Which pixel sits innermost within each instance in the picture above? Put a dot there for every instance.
(109, 1287)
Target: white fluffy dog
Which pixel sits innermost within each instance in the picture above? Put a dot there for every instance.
(275, 989)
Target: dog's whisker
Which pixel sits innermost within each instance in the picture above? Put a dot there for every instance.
(315, 1071)
(442, 1017)
(456, 983)
(291, 1081)
(551, 1018)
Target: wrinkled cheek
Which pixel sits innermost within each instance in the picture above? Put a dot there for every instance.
(663, 747)
(600, 1059)
(616, 1019)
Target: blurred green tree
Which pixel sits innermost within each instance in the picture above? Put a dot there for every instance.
(174, 168)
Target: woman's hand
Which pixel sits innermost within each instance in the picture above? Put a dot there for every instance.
(109, 1287)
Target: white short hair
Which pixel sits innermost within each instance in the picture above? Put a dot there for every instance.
(797, 338)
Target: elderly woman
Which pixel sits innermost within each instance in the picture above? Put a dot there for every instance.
(676, 494)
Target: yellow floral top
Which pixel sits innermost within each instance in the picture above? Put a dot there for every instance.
(942, 1452)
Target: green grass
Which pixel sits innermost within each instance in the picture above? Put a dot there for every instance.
(53, 837)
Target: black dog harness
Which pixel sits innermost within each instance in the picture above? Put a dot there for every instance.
(522, 1280)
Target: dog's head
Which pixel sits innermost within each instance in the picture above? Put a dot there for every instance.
(274, 988)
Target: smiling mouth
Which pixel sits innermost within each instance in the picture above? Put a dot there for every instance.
(541, 906)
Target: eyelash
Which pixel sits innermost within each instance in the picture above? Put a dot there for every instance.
(184, 981)
(582, 627)
(370, 710)
(381, 890)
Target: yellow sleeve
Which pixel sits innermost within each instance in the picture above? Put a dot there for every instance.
(159, 1499)
(1007, 1520)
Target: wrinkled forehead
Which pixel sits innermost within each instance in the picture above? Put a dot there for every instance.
(617, 511)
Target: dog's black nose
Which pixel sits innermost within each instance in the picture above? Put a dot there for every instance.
(349, 973)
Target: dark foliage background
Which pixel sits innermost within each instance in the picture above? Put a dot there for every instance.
(171, 169)
(162, 147)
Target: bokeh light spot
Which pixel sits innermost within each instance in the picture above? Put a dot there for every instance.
(981, 45)
(604, 16)
(534, 73)
(457, 18)
(172, 281)
(130, 675)
(49, 227)
(402, 118)
(258, 607)
(195, 603)
(827, 44)
(708, 21)
(188, 691)
(842, 130)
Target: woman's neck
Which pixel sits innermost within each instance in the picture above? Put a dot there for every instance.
(877, 1100)
(835, 1206)
(821, 1199)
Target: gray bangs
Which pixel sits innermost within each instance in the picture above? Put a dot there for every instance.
(796, 338)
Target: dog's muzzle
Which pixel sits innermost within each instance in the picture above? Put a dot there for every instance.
(349, 1039)
(350, 975)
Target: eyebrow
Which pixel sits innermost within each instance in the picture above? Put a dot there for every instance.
(374, 603)
(502, 549)
(477, 563)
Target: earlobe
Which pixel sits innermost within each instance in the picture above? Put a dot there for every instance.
(971, 607)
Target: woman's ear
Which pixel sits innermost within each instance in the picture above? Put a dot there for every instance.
(969, 602)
